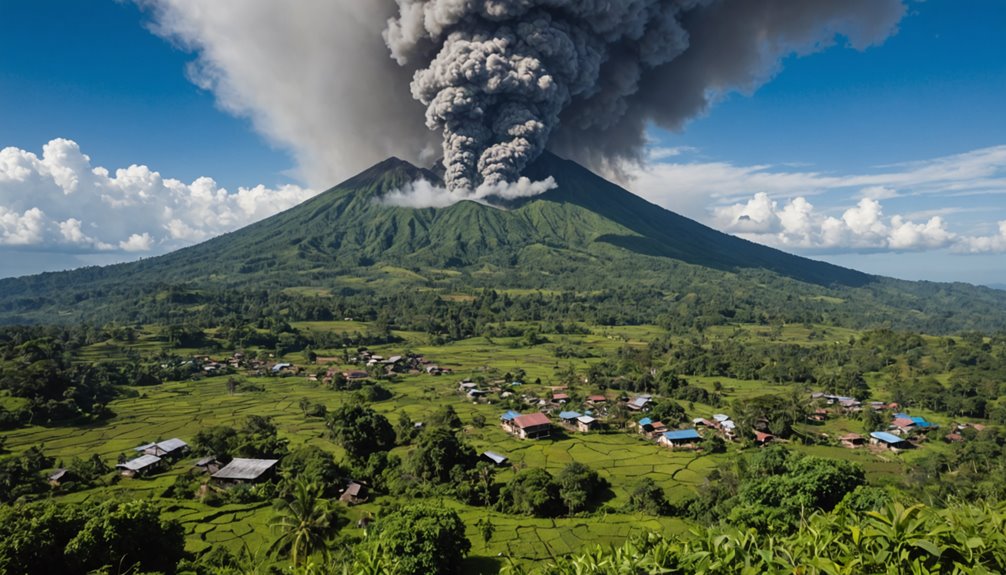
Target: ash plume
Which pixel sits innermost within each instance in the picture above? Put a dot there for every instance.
(499, 77)
(500, 80)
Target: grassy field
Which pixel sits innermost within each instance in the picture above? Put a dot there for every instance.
(182, 409)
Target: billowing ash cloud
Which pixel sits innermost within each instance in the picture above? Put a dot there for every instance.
(499, 77)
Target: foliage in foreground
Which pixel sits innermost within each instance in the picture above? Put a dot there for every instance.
(894, 540)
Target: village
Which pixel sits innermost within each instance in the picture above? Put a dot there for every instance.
(556, 414)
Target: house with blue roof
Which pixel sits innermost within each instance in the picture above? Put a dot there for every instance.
(569, 417)
(889, 440)
(509, 415)
(680, 438)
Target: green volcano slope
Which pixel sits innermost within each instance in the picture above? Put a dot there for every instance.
(587, 235)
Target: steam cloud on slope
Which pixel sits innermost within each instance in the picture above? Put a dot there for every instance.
(500, 79)
(423, 194)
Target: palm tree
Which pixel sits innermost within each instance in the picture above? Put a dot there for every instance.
(306, 522)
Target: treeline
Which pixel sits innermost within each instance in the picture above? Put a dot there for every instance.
(972, 365)
(688, 298)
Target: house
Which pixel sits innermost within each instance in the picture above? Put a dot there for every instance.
(645, 425)
(639, 403)
(560, 397)
(585, 423)
(953, 438)
(509, 416)
(682, 438)
(818, 415)
(60, 476)
(569, 417)
(531, 426)
(657, 428)
(467, 386)
(209, 465)
(889, 440)
(170, 449)
(142, 465)
(701, 421)
(852, 440)
(354, 493)
(728, 427)
(281, 367)
(761, 438)
(246, 470)
(495, 458)
(903, 424)
(355, 374)
(597, 399)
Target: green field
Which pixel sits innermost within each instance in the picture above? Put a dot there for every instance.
(181, 409)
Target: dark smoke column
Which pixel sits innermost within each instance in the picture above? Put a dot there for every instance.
(498, 75)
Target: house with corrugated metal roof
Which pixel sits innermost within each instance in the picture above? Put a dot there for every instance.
(889, 440)
(530, 426)
(569, 417)
(141, 466)
(246, 471)
(585, 423)
(495, 458)
(680, 438)
(170, 448)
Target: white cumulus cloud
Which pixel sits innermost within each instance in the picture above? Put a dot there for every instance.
(863, 227)
(60, 202)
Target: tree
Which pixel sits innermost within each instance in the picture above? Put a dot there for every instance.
(128, 536)
(314, 465)
(305, 522)
(33, 537)
(486, 528)
(446, 416)
(360, 431)
(533, 492)
(218, 441)
(406, 429)
(426, 540)
(668, 412)
(21, 474)
(259, 438)
(579, 486)
(436, 455)
(872, 421)
(646, 496)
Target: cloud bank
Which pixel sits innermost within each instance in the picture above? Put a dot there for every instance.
(59, 201)
(334, 81)
(770, 204)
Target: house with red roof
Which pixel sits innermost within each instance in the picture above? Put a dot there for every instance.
(530, 426)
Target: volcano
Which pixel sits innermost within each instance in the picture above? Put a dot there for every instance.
(585, 234)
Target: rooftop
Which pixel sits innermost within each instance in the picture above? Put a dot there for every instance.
(510, 415)
(682, 434)
(245, 468)
(569, 415)
(886, 437)
(532, 420)
(495, 457)
(139, 463)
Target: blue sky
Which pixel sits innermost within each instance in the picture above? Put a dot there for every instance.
(878, 143)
